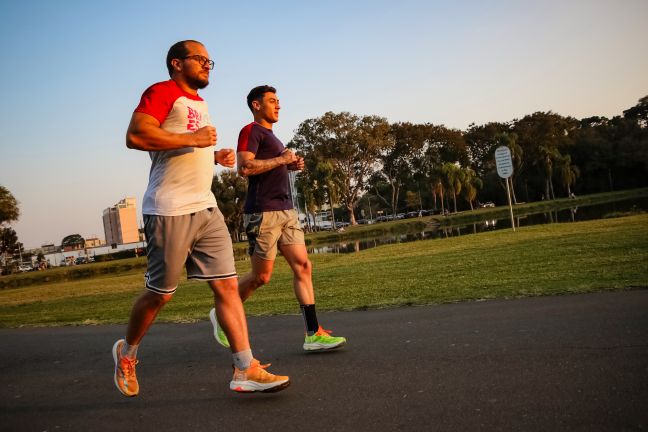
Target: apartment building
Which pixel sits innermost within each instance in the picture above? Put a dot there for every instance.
(120, 223)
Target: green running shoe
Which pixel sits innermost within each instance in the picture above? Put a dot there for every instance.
(219, 334)
(322, 340)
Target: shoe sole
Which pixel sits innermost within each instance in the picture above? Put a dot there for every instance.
(322, 347)
(214, 321)
(254, 387)
(114, 352)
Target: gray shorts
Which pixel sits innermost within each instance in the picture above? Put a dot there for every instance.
(198, 241)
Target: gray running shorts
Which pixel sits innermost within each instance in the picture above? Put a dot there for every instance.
(198, 241)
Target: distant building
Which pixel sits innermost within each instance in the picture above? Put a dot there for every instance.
(49, 248)
(120, 223)
(93, 242)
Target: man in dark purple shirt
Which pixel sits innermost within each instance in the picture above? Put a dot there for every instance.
(269, 190)
(270, 220)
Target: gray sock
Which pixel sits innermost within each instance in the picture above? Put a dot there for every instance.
(129, 351)
(242, 359)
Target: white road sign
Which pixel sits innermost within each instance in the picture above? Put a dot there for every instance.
(503, 161)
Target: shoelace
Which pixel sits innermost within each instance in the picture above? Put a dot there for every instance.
(322, 332)
(128, 366)
(263, 366)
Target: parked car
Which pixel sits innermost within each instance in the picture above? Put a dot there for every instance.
(25, 268)
(487, 204)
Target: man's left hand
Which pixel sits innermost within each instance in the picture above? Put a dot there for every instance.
(298, 165)
(225, 157)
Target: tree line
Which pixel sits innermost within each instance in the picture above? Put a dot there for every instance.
(363, 164)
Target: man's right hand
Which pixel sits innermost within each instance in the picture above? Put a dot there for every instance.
(205, 136)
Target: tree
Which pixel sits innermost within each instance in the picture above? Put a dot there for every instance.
(8, 246)
(481, 142)
(329, 182)
(568, 173)
(436, 182)
(412, 200)
(542, 137)
(452, 178)
(595, 154)
(471, 183)
(9, 210)
(397, 158)
(351, 144)
(311, 187)
(73, 241)
(639, 112)
(428, 168)
(230, 190)
(547, 156)
(308, 194)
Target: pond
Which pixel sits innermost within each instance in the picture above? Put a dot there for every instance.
(562, 216)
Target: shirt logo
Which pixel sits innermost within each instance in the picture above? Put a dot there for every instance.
(194, 118)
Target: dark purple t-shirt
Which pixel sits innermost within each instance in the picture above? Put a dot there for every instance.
(268, 191)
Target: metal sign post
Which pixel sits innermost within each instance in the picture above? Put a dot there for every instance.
(504, 165)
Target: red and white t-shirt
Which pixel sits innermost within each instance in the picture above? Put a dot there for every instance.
(180, 180)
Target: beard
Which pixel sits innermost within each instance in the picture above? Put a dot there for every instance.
(197, 83)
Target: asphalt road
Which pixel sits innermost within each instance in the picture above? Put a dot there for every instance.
(568, 363)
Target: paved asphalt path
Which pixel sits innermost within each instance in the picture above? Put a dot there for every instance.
(568, 363)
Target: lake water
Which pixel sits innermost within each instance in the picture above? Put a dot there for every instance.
(562, 216)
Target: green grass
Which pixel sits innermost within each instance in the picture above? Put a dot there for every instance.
(549, 259)
(459, 219)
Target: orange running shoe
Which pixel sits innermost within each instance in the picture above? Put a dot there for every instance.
(256, 379)
(125, 378)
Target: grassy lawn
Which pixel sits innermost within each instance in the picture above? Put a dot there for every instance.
(548, 259)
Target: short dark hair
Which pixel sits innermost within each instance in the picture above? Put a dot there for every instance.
(256, 94)
(178, 51)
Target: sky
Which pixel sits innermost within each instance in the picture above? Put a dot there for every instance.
(74, 72)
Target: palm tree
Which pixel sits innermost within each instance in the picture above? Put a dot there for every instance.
(304, 184)
(470, 185)
(313, 184)
(568, 172)
(453, 180)
(331, 182)
(437, 189)
(547, 157)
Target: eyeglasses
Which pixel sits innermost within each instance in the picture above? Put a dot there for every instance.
(202, 60)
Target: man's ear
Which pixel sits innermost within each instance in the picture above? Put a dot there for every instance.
(176, 64)
(256, 105)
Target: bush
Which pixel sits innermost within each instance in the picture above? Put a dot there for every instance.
(61, 274)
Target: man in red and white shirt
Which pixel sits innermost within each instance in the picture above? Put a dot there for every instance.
(184, 228)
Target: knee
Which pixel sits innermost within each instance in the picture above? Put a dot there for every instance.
(304, 268)
(224, 288)
(155, 299)
(163, 299)
(262, 278)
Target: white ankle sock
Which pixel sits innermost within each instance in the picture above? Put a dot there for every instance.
(129, 351)
(242, 359)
